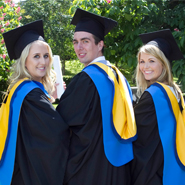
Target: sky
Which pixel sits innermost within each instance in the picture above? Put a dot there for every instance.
(16, 1)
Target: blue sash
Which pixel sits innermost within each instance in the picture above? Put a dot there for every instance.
(117, 151)
(173, 172)
(7, 163)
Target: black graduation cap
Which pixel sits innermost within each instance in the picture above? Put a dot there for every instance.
(92, 23)
(17, 39)
(164, 40)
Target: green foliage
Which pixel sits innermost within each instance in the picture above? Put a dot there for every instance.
(67, 78)
(57, 28)
(176, 12)
(73, 67)
(9, 19)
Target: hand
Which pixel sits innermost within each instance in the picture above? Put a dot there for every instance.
(55, 91)
(64, 85)
(55, 95)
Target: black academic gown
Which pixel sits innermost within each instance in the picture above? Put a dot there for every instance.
(42, 143)
(147, 165)
(87, 163)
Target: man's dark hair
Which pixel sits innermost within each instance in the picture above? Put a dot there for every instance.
(97, 40)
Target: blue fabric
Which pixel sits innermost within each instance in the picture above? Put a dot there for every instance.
(7, 166)
(106, 62)
(173, 174)
(130, 90)
(117, 152)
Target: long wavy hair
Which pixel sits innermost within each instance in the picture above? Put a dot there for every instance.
(19, 70)
(166, 75)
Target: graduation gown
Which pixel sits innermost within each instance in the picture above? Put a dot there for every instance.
(87, 163)
(147, 167)
(42, 143)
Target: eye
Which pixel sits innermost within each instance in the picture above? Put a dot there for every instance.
(46, 56)
(152, 61)
(85, 41)
(75, 42)
(36, 56)
(141, 61)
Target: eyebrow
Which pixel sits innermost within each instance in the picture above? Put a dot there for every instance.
(148, 58)
(40, 53)
(84, 38)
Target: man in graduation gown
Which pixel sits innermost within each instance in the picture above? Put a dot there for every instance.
(98, 110)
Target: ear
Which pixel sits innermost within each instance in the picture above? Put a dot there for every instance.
(100, 45)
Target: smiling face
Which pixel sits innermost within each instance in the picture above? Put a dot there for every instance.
(150, 67)
(38, 60)
(85, 47)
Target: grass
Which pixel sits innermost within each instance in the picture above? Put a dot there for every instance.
(55, 105)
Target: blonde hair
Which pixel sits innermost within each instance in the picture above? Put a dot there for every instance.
(19, 70)
(166, 75)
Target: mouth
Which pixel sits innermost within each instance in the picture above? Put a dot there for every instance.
(41, 68)
(147, 72)
(81, 55)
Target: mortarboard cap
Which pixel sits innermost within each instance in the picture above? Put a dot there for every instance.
(164, 40)
(17, 39)
(92, 23)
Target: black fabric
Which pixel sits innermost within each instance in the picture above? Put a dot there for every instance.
(147, 165)
(42, 143)
(92, 23)
(25, 39)
(87, 163)
(164, 40)
(163, 45)
(17, 39)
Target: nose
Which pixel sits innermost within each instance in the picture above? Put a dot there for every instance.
(42, 60)
(146, 65)
(79, 45)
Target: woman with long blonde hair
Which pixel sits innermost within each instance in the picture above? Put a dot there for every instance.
(33, 136)
(158, 157)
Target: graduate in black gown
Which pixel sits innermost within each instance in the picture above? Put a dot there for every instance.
(34, 138)
(99, 151)
(157, 156)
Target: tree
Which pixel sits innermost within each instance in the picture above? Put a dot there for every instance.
(9, 19)
(175, 19)
(57, 28)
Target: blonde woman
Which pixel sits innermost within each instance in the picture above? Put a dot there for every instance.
(34, 140)
(157, 151)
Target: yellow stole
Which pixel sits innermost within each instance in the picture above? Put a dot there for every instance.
(4, 118)
(122, 106)
(180, 122)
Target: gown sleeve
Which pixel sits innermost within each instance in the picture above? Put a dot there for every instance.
(79, 99)
(147, 165)
(42, 143)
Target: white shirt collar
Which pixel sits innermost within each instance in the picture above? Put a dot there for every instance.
(101, 59)
(98, 59)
